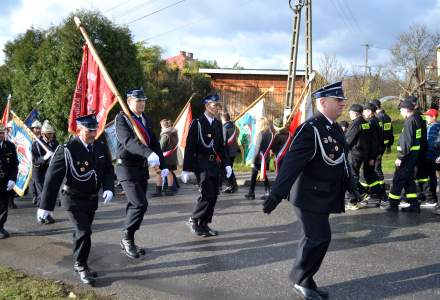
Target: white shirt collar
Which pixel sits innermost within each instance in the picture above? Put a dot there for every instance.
(85, 144)
(210, 120)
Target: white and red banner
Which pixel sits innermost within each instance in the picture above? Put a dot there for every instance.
(6, 112)
(182, 124)
(92, 93)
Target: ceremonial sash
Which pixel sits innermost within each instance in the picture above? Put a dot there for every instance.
(169, 152)
(282, 153)
(263, 168)
(233, 137)
(143, 130)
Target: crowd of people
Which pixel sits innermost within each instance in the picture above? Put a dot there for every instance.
(322, 165)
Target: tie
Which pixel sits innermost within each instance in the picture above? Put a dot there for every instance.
(89, 148)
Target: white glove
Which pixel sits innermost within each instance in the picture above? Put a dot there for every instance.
(184, 176)
(228, 171)
(43, 214)
(107, 195)
(437, 160)
(153, 160)
(164, 173)
(47, 155)
(10, 185)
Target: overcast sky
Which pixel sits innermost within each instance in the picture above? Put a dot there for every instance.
(255, 33)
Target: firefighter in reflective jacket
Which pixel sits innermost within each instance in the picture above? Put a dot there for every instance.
(375, 185)
(358, 137)
(407, 158)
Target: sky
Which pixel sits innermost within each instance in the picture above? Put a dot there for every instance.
(255, 33)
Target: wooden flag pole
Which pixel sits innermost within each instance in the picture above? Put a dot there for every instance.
(253, 103)
(302, 97)
(108, 79)
(184, 108)
(32, 133)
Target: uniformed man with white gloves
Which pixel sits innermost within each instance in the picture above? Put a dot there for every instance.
(133, 160)
(205, 155)
(86, 165)
(8, 176)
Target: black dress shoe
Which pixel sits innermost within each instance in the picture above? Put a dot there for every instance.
(250, 196)
(208, 231)
(194, 227)
(129, 248)
(306, 293)
(322, 293)
(4, 234)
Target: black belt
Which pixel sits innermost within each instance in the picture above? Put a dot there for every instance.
(208, 157)
(129, 163)
(77, 193)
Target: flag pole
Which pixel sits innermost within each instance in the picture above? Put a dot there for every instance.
(183, 109)
(108, 79)
(302, 97)
(31, 133)
(253, 103)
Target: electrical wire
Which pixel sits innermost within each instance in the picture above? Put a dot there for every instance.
(155, 12)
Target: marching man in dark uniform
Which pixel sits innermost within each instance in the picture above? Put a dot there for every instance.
(36, 129)
(408, 151)
(205, 153)
(133, 159)
(40, 161)
(316, 166)
(230, 134)
(8, 176)
(86, 165)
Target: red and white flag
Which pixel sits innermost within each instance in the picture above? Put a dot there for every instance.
(92, 93)
(182, 125)
(6, 112)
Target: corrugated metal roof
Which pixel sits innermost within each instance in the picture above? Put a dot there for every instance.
(249, 71)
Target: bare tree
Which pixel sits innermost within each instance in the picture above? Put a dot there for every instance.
(330, 69)
(414, 51)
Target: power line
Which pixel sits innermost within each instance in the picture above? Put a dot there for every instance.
(156, 11)
(344, 3)
(185, 25)
(343, 16)
(116, 6)
(135, 8)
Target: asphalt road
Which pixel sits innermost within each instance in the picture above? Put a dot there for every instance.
(373, 255)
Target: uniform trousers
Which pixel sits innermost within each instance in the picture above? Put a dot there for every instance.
(422, 178)
(38, 177)
(315, 240)
(136, 192)
(208, 174)
(369, 175)
(4, 201)
(404, 179)
(81, 213)
(379, 173)
(254, 176)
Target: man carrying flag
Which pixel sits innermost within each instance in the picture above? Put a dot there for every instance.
(133, 160)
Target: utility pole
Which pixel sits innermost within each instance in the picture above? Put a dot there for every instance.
(367, 67)
(290, 90)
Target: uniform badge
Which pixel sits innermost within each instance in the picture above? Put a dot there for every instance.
(82, 169)
(209, 135)
(328, 127)
(330, 139)
(336, 148)
(325, 140)
(86, 163)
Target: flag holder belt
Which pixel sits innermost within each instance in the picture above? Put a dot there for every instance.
(209, 157)
(74, 192)
(129, 163)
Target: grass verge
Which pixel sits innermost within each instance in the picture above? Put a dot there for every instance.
(17, 285)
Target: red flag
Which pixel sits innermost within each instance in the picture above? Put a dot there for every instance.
(5, 118)
(92, 93)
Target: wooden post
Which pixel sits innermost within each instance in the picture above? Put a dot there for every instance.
(108, 79)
